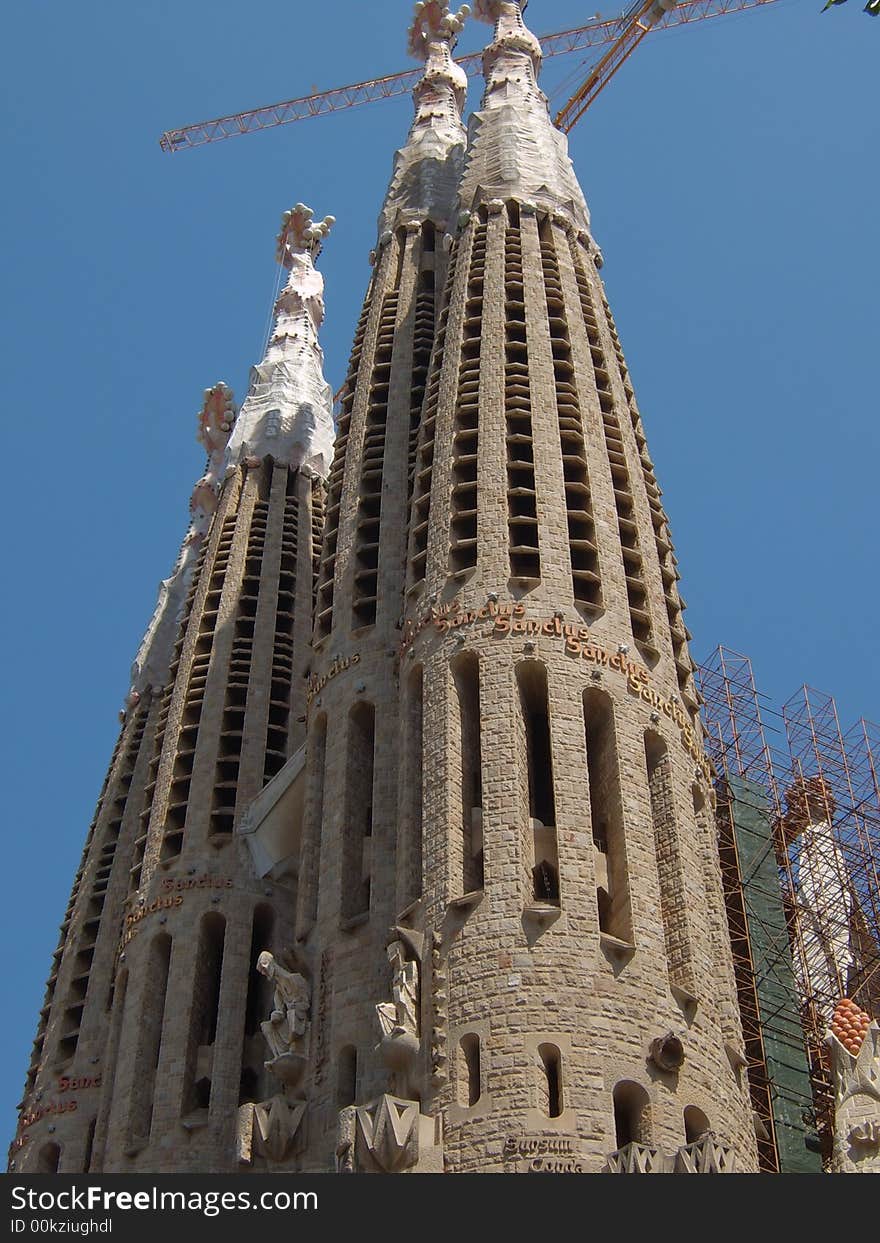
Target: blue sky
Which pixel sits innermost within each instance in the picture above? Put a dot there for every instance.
(733, 177)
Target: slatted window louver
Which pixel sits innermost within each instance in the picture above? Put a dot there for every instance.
(522, 498)
(633, 561)
(326, 577)
(369, 512)
(586, 581)
(465, 440)
(238, 678)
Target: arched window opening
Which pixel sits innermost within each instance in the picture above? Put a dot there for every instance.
(346, 1077)
(632, 1114)
(47, 1161)
(149, 1038)
(696, 1124)
(606, 811)
(679, 959)
(259, 993)
(469, 1086)
(204, 1013)
(531, 678)
(257, 1007)
(358, 828)
(551, 1066)
(90, 1144)
(466, 674)
(312, 821)
(410, 867)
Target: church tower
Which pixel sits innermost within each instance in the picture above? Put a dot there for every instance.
(417, 869)
(154, 1034)
(528, 830)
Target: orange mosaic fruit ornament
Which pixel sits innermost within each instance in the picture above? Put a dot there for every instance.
(850, 1025)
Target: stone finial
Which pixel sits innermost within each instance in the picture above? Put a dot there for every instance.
(489, 11)
(432, 22)
(215, 419)
(301, 234)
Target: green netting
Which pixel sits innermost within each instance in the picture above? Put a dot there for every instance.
(776, 987)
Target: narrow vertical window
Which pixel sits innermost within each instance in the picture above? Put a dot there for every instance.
(410, 845)
(346, 1077)
(606, 810)
(204, 1013)
(358, 827)
(90, 1143)
(312, 822)
(466, 674)
(531, 678)
(469, 1088)
(257, 1007)
(47, 1162)
(679, 958)
(550, 1080)
(149, 1038)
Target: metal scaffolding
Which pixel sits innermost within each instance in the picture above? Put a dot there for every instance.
(799, 839)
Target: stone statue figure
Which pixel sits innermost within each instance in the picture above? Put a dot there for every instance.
(400, 1016)
(288, 1021)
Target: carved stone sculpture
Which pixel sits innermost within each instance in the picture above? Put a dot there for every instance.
(401, 1015)
(388, 1136)
(399, 1018)
(269, 1129)
(285, 1029)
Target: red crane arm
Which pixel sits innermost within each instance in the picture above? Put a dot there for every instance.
(597, 33)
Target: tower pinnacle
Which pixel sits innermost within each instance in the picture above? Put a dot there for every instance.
(151, 665)
(288, 410)
(428, 167)
(514, 150)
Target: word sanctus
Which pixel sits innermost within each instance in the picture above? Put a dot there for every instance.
(71, 1085)
(317, 684)
(54, 1107)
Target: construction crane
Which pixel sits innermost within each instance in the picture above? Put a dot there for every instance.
(621, 35)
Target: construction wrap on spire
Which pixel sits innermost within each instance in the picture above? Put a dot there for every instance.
(427, 169)
(153, 661)
(514, 150)
(288, 410)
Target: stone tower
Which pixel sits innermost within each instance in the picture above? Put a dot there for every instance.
(522, 819)
(423, 878)
(149, 1041)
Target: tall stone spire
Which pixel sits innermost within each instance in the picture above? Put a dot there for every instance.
(427, 169)
(382, 398)
(513, 146)
(288, 410)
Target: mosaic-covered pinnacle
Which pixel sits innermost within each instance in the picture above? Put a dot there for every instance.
(152, 664)
(287, 413)
(301, 234)
(514, 151)
(433, 21)
(428, 167)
